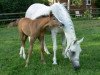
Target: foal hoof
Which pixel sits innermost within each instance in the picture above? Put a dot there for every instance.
(24, 56)
(47, 52)
(44, 62)
(54, 63)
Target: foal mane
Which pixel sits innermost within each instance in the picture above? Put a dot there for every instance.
(42, 16)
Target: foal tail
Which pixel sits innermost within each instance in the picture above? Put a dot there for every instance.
(17, 21)
(14, 23)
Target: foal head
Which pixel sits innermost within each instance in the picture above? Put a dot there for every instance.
(53, 22)
(73, 53)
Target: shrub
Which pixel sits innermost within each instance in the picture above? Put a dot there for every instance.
(97, 3)
(17, 5)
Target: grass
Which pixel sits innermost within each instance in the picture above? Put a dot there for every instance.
(12, 64)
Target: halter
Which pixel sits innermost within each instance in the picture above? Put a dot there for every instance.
(70, 45)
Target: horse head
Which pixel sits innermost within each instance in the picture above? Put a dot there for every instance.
(73, 53)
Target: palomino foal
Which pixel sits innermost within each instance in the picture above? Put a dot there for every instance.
(34, 29)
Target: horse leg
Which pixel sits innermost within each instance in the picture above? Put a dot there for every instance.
(68, 41)
(54, 33)
(32, 39)
(41, 39)
(45, 47)
(64, 41)
(22, 50)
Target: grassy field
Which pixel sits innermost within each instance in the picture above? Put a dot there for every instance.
(12, 64)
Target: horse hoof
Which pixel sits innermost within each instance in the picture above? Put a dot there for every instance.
(21, 55)
(26, 65)
(65, 56)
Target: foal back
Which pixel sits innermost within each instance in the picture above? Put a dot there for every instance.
(29, 27)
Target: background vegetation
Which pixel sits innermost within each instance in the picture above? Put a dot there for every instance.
(97, 3)
(22, 5)
(17, 5)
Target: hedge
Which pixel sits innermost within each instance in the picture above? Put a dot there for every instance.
(8, 6)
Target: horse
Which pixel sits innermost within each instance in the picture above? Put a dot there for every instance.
(73, 49)
(34, 29)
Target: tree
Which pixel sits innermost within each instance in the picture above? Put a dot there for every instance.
(97, 3)
(77, 2)
(7, 6)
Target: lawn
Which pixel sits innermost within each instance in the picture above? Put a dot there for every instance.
(12, 64)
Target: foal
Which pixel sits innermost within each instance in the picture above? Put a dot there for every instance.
(34, 29)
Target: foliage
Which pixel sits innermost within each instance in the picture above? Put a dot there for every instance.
(87, 14)
(77, 2)
(97, 3)
(17, 5)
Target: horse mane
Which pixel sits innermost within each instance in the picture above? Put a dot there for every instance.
(64, 16)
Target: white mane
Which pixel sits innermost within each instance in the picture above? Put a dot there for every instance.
(61, 13)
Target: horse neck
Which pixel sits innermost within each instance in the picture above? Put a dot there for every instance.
(69, 32)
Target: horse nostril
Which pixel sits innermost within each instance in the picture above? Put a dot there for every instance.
(76, 67)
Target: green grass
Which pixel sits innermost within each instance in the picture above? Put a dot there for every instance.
(12, 64)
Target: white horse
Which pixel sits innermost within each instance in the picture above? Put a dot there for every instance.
(73, 48)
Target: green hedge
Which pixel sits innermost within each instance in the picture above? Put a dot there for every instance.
(7, 6)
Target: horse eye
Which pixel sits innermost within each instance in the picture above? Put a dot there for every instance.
(72, 53)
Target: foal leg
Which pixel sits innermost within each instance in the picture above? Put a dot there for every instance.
(45, 47)
(32, 39)
(54, 33)
(41, 39)
(22, 50)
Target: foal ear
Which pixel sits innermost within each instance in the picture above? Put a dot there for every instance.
(80, 40)
(50, 15)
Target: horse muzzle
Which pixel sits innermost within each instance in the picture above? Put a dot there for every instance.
(76, 65)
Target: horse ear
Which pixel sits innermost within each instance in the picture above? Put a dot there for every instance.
(75, 41)
(80, 40)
